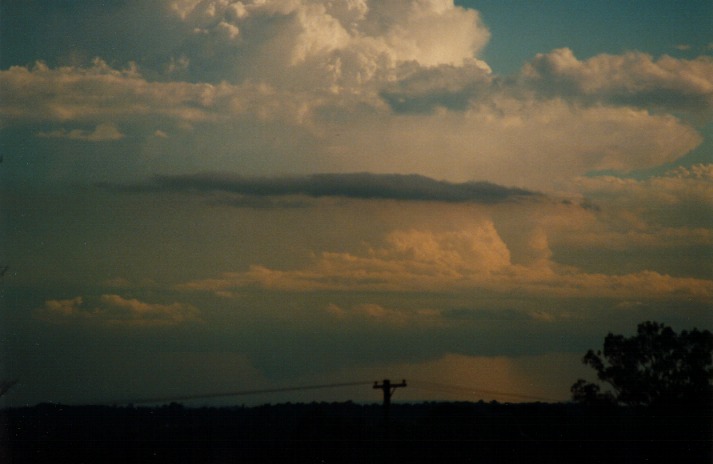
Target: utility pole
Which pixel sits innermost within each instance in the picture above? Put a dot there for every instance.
(388, 388)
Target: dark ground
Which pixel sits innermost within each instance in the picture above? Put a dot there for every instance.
(354, 433)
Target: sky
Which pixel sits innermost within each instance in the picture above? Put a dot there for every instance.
(205, 196)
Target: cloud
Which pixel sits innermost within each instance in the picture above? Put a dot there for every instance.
(63, 308)
(102, 133)
(72, 93)
(322, 49)
(630, 79)
(455, 261)
(38, 93)
(386, 87)
(633, 78)
(355, 41)
(660, 223)
(372, 313)
(682, 197)
(354, 185)
(422, 90)
(113, 310)
(375, 315)
(512, 141)
(506, 139)
(411, 260)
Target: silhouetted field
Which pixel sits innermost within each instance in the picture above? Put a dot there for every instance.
(354, 433)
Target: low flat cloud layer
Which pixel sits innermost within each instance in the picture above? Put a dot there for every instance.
(351, 185)
(111, 310)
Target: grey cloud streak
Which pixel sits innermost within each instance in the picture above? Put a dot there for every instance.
(411, 187)
(423, 90)
(633, 78)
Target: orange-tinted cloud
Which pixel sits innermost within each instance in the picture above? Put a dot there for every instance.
(476, 258)
(115, 310)
(102, 133)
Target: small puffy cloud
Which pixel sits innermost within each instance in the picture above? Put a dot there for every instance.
(372, 313)
(63, 308)
(178, 65)
(102, 133)
(117, 311)
(633, 78)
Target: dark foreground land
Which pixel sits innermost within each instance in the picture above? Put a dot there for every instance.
(353, 433)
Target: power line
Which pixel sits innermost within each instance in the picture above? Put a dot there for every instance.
(457, 389)
(240, 393)
(416, 384)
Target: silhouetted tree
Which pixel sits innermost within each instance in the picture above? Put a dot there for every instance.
(656, 366)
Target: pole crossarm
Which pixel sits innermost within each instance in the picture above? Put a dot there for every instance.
(387, 385)
(388, 388)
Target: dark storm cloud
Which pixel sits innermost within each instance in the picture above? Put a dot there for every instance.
(354, 185)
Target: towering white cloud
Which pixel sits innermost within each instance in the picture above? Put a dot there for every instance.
(430, 32)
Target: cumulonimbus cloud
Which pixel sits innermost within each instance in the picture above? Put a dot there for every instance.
(389, 87)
